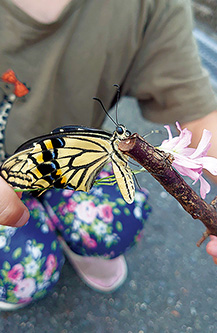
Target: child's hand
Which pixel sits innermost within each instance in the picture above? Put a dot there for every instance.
(12, 211)
(211, 248)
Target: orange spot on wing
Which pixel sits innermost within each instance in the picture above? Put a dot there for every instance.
(63, 180)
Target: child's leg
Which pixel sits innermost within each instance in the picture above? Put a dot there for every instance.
(96, 226)
(99, 223)
(30, 258)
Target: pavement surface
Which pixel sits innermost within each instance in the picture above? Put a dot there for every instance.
(171, 285)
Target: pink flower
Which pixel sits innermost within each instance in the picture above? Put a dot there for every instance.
(87, 240)
(62, 209)
(71, 205)
(16, 273)
(67, 193)
(34, 204)
(189, 161)
(51, 265)
(25, 288)
(86, 211)
(47, 273)
(104, 174)
(51, 261)
(105, 213)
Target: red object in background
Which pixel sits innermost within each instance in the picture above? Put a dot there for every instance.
(19, 88)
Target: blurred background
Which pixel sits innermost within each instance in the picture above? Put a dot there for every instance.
(205, 14)
(172, 284)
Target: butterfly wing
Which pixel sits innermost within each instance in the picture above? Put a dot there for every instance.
(123, 175)
(70, 158)
(15, 170)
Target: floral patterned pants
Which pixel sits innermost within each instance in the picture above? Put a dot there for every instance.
(98, 223)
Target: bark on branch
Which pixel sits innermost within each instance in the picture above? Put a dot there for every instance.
(159, 164)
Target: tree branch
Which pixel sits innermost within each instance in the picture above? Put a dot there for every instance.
(159, 165)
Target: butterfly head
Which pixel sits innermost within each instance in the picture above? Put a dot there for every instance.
(122, 132)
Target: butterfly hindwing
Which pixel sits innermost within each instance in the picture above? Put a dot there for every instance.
(124, 179)
(123, 173)
(15, 171)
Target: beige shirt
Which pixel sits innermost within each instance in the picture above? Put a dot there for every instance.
(145, 46)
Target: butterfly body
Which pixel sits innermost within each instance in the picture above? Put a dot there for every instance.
(70, 157)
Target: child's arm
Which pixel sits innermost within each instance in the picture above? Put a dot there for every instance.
(196, 127)
(12, 211)
(211, 248)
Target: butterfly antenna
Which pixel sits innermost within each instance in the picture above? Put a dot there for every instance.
(118, 98)
(103, 107)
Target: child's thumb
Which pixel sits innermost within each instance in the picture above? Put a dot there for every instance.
(12, 211)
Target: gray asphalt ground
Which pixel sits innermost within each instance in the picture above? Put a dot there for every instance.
(171, 285)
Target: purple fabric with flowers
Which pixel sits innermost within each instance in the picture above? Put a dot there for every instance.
(30, 257)
(98, 223)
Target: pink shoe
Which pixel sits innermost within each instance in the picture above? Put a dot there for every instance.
(6, 306)
(104, 275)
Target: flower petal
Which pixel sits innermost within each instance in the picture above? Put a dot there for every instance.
(193, 174)
(178, 143)
(190, 161)
(209, 163)
(169, 132)
(203, 145)
(185, 138)
(204, 187)
(187, 162)
(178, 126)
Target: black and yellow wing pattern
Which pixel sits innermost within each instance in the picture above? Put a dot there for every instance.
(70, 157)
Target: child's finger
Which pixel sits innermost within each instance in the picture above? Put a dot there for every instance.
(12, 211)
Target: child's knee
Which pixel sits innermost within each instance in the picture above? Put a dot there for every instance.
(29, 267)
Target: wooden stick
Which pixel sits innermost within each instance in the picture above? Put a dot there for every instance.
(159, 164)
